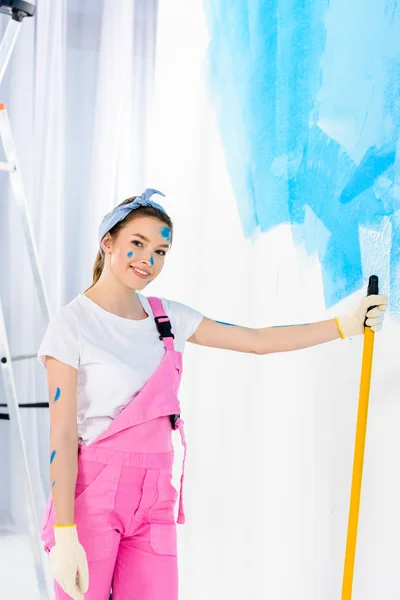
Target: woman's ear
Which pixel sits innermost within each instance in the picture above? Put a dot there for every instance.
(106, 244)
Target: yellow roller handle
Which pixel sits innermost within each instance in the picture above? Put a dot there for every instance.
(358, 464)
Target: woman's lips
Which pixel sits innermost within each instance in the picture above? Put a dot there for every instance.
(141, 273)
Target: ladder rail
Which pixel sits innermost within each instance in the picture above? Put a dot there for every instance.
(7, 45)
(16, 421)
(22, 206)
(18, 9)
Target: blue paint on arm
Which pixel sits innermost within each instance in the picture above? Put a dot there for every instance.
(58, 394)
(52, 457)
(53, 484)
(292, 325)
(223, 323)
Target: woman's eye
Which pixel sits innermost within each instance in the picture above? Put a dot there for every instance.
(139, 244)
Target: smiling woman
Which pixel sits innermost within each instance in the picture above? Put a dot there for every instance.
(134, 223)
(115, 358)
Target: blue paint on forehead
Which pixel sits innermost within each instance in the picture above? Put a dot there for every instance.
(166, 233)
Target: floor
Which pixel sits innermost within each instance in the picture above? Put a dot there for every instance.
(17, 571)
(17, 584)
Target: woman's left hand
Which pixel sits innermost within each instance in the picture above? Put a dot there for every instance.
(353, 324)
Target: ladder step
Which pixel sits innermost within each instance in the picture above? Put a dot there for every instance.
(31, 405)
(6, 416)
(19, 357)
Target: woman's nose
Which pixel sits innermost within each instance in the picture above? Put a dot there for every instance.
(149, 259)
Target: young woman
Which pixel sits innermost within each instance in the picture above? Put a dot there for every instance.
(114, 361)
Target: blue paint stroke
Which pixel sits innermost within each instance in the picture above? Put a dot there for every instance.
(53, 484)
(152, 260)
(374, 163)
(166, 233)
(308, 106)
(222, 323)
(58, 394)
(293, 325)
(130, 254)
(52, 457)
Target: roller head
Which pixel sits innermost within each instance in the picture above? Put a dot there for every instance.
(373, 285)
(373, 288)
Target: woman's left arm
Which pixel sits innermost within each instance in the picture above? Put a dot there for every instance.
(268, 340)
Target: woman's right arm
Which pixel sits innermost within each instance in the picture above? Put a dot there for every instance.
(62, 385)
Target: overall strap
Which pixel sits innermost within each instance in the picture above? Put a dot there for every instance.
(163, 323)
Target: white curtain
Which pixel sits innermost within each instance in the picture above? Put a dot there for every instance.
(270, 438)
(77, 90)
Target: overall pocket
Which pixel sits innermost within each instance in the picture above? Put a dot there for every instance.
(163, 510)
(88, 472)
(163, 539)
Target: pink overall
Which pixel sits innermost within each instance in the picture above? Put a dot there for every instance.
(124, 499)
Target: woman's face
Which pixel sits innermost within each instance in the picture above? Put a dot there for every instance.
(138, 252)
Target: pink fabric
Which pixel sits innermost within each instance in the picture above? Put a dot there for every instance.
(124, 498)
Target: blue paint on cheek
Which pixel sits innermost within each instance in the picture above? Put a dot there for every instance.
(58, 394)
(223, 323)
(166, 233)
(152, 260)
(321, 157)
(53, 484)
(130, 254)
(52, 457)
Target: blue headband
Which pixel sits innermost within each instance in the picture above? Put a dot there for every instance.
(121, 212)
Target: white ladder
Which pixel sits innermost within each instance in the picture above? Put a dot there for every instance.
(18, 10)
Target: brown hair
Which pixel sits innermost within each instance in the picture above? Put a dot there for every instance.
(147, 211)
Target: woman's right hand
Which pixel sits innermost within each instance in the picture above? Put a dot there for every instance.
(68, 562)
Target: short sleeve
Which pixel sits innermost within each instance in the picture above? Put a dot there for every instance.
(185, 318)
(61, 341)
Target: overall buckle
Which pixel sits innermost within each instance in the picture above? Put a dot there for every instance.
(164, 327)
(173, 419)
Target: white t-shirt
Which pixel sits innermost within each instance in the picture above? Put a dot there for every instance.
(114, 356)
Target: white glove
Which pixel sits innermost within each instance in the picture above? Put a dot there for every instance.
(68, 562)
(353, 324)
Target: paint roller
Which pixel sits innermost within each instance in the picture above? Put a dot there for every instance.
(359, 449)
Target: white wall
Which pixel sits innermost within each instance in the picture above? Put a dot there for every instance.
(270, 438)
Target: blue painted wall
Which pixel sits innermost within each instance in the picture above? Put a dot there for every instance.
(308, 102)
